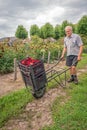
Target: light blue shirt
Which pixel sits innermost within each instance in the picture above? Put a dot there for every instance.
(73, 44)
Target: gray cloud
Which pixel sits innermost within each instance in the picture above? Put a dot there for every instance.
(28, 12)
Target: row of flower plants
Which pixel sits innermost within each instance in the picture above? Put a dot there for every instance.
(23, 50)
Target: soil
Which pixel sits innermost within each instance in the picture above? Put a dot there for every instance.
(37, 114)
(8, 84)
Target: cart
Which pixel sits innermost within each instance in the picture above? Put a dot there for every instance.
(36, 77)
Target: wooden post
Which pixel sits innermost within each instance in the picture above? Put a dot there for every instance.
(48, 59)
(15, 69)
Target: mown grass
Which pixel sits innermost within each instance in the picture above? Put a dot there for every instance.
(72, 114)
(83, 62)
(13, 104)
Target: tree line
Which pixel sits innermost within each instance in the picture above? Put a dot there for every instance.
(48, 30)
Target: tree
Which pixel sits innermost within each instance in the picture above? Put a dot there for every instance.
(34, 30)
(56, 32)
(21, 32)
(46, 31)
(42, 32)
(49, 30)
(82, 25)
(62, 27)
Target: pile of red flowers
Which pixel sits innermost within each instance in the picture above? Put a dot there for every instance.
(29, 61)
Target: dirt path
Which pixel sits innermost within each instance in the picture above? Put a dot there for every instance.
(37, 113)
(7, 83)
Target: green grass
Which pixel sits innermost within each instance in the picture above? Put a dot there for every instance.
(71, 115)
(83, 62)
(13, 104)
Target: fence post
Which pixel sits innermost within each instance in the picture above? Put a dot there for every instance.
(48, 61)
(15, 69)
(43, 56)
(48, 57)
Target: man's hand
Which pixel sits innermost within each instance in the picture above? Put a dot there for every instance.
(80, 53)
(63, 53)
(62, 57)
(79, 58)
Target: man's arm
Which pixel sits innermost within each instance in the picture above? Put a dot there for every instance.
(80, 52)
(63, 52)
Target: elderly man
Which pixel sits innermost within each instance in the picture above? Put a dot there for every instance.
(73, 46)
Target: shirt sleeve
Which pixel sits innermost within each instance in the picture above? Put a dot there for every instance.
(79, 41)
(65, 43)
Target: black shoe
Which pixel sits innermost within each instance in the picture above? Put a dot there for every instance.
(70, 80)
(76, 80)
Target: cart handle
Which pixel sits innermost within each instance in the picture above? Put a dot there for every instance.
(54, 65)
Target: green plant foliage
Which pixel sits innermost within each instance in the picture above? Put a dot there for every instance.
(46, 31)
(6, 61)
(37, 49)
(34, 30)
(21, 32)
(84, 38)
(82, 25)
(7, 58)
(57, 32)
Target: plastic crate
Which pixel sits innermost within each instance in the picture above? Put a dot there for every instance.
(33, 73)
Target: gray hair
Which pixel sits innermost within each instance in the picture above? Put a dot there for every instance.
(68, 27)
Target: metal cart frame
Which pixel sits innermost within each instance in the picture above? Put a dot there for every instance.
(36, 77)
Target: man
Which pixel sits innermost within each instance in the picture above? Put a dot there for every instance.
(73, 46)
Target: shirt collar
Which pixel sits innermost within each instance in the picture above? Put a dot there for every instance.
(70, 36)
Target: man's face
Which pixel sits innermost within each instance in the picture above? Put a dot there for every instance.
(68, 32)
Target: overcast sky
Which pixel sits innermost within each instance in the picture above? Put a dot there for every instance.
(29, 12)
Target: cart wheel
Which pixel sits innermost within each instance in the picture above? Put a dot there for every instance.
(39, 93)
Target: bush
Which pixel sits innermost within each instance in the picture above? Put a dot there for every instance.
(6, 61)
(32, 49)
(84, 39)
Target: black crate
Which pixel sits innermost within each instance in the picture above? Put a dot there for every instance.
(33, 75)
(39, 81)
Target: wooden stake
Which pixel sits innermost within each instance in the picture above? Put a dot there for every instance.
(15, 69)
(48, 59)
